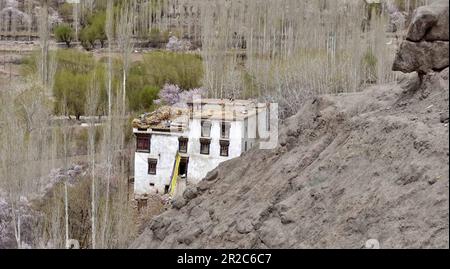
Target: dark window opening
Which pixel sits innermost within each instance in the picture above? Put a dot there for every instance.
(166, 189)
(246, 128)
(152, 184)
(224, 148)
(245, 146)
(143, 143)
(152, 166)
(182, 145)
(206, 129)
(183, 168)
(225, 130)
(204, 146)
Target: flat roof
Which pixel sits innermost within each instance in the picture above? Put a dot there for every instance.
(222, 101)
(220, 109)
(233, 114)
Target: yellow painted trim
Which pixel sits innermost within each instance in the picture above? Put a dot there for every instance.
(173, 183)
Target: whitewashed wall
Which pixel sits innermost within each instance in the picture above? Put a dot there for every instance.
(164, 147)
(199, 164)
(256, 129)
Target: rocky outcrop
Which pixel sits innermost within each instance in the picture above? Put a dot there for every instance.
(430, 23)
(422, 56)
(426, 47)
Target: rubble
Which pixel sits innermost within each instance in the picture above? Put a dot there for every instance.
(157, 118)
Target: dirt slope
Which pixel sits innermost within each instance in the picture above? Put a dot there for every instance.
(349, 168)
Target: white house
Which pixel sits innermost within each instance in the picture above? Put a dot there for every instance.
(185, 144)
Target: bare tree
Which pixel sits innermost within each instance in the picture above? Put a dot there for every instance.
(93, 101)
(125, 25)
(108, 135)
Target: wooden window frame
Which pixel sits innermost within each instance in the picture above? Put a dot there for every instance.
(205, 141)
(186, 161)
(202, 124)
(152, 166)
(225, 143)
(246, 128)
(143, 136)
(225, 128)
(181, 141)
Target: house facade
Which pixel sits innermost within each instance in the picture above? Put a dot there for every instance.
(190, 142)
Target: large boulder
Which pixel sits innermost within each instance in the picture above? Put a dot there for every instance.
(426, 46)
(422, 57)
(430, 23)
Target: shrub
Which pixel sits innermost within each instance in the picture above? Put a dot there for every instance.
(162, 70)
(75, 61)
(142, 99)
(183, 69)
(88, 37)
(64, 33)
(70, 93)
(158, 38)
(76, 71)
(94, 31)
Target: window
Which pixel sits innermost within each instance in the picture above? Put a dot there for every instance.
(206, 128)
(225, 130)
(246, 127)
(143, 142)
(204, 146)
(182, 170)
(182, 144)
(224, 146)
(152, 166)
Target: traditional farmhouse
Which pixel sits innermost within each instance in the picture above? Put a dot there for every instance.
(184, 144)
